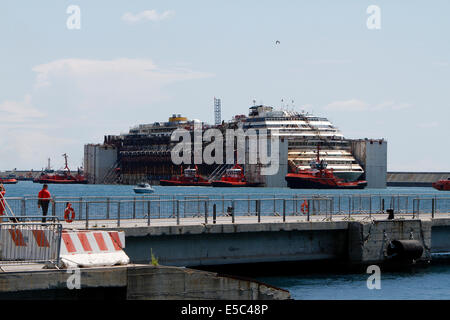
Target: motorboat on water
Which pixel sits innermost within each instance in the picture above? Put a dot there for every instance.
(143, 188)
(442, 185)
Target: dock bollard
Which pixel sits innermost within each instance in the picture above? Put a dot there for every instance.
(214, 213)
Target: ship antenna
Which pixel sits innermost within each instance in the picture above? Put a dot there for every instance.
(65, 160)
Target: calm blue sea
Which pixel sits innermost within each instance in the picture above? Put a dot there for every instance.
(28, 188)
(422, 283)
(432, 282)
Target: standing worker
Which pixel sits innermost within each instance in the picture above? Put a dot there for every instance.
(44, 197)
(2, 202)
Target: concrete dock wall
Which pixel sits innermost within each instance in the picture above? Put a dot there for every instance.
(368, 242)
(240, 243)
(355, 242)
(134, 282)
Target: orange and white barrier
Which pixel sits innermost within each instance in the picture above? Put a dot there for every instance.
(93, 248)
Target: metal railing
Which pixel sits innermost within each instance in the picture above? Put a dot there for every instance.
(116, 209)
(30, 242)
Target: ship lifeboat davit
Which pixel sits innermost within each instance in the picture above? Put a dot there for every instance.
(442, 185)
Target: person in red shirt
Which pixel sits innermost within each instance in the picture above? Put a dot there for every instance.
(2, 202)
(44, 197)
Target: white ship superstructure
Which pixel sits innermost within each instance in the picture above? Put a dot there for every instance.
(304, 132)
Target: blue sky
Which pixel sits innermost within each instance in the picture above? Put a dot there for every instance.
(140, 61)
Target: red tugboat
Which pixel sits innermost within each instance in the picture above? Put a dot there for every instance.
(189, 177)
(234, 177)
(442, 185)
(8, 180)
(319, 177)
(64, 177)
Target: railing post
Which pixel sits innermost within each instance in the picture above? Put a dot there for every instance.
(309, 206)
(296, 205)
(178, 212)
(258, 209)
(134, 208)
(80, 207)
(118, 213)
(433, 207)
(107, 208)
(223, 204)
(148, 212)
(339, 204)
(214, 213)
(274, 205)
(284, 210)
(173, 206)
(206, 211)
(350, 206)
(54, 209)
(24, 207)
(331, 211)
(232, 210)
(87, 215)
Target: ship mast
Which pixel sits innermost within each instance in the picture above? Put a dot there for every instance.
(66, 166)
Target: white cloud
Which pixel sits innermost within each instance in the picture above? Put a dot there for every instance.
(149, 15)
(18, 111)
(359, 105)
(76, 101)
(107, 83)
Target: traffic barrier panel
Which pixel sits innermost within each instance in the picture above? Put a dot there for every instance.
(93, 249)
(29, 243)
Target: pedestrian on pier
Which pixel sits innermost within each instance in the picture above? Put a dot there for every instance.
(44, 198)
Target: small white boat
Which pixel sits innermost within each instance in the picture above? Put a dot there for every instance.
(143, 188)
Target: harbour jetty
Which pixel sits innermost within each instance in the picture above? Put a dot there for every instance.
(130, 282)
(229, 230)
(415, 179)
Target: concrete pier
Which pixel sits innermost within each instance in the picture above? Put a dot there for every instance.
(132, 282)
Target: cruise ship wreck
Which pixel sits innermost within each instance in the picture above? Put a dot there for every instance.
(144, 153)
(304, 132)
